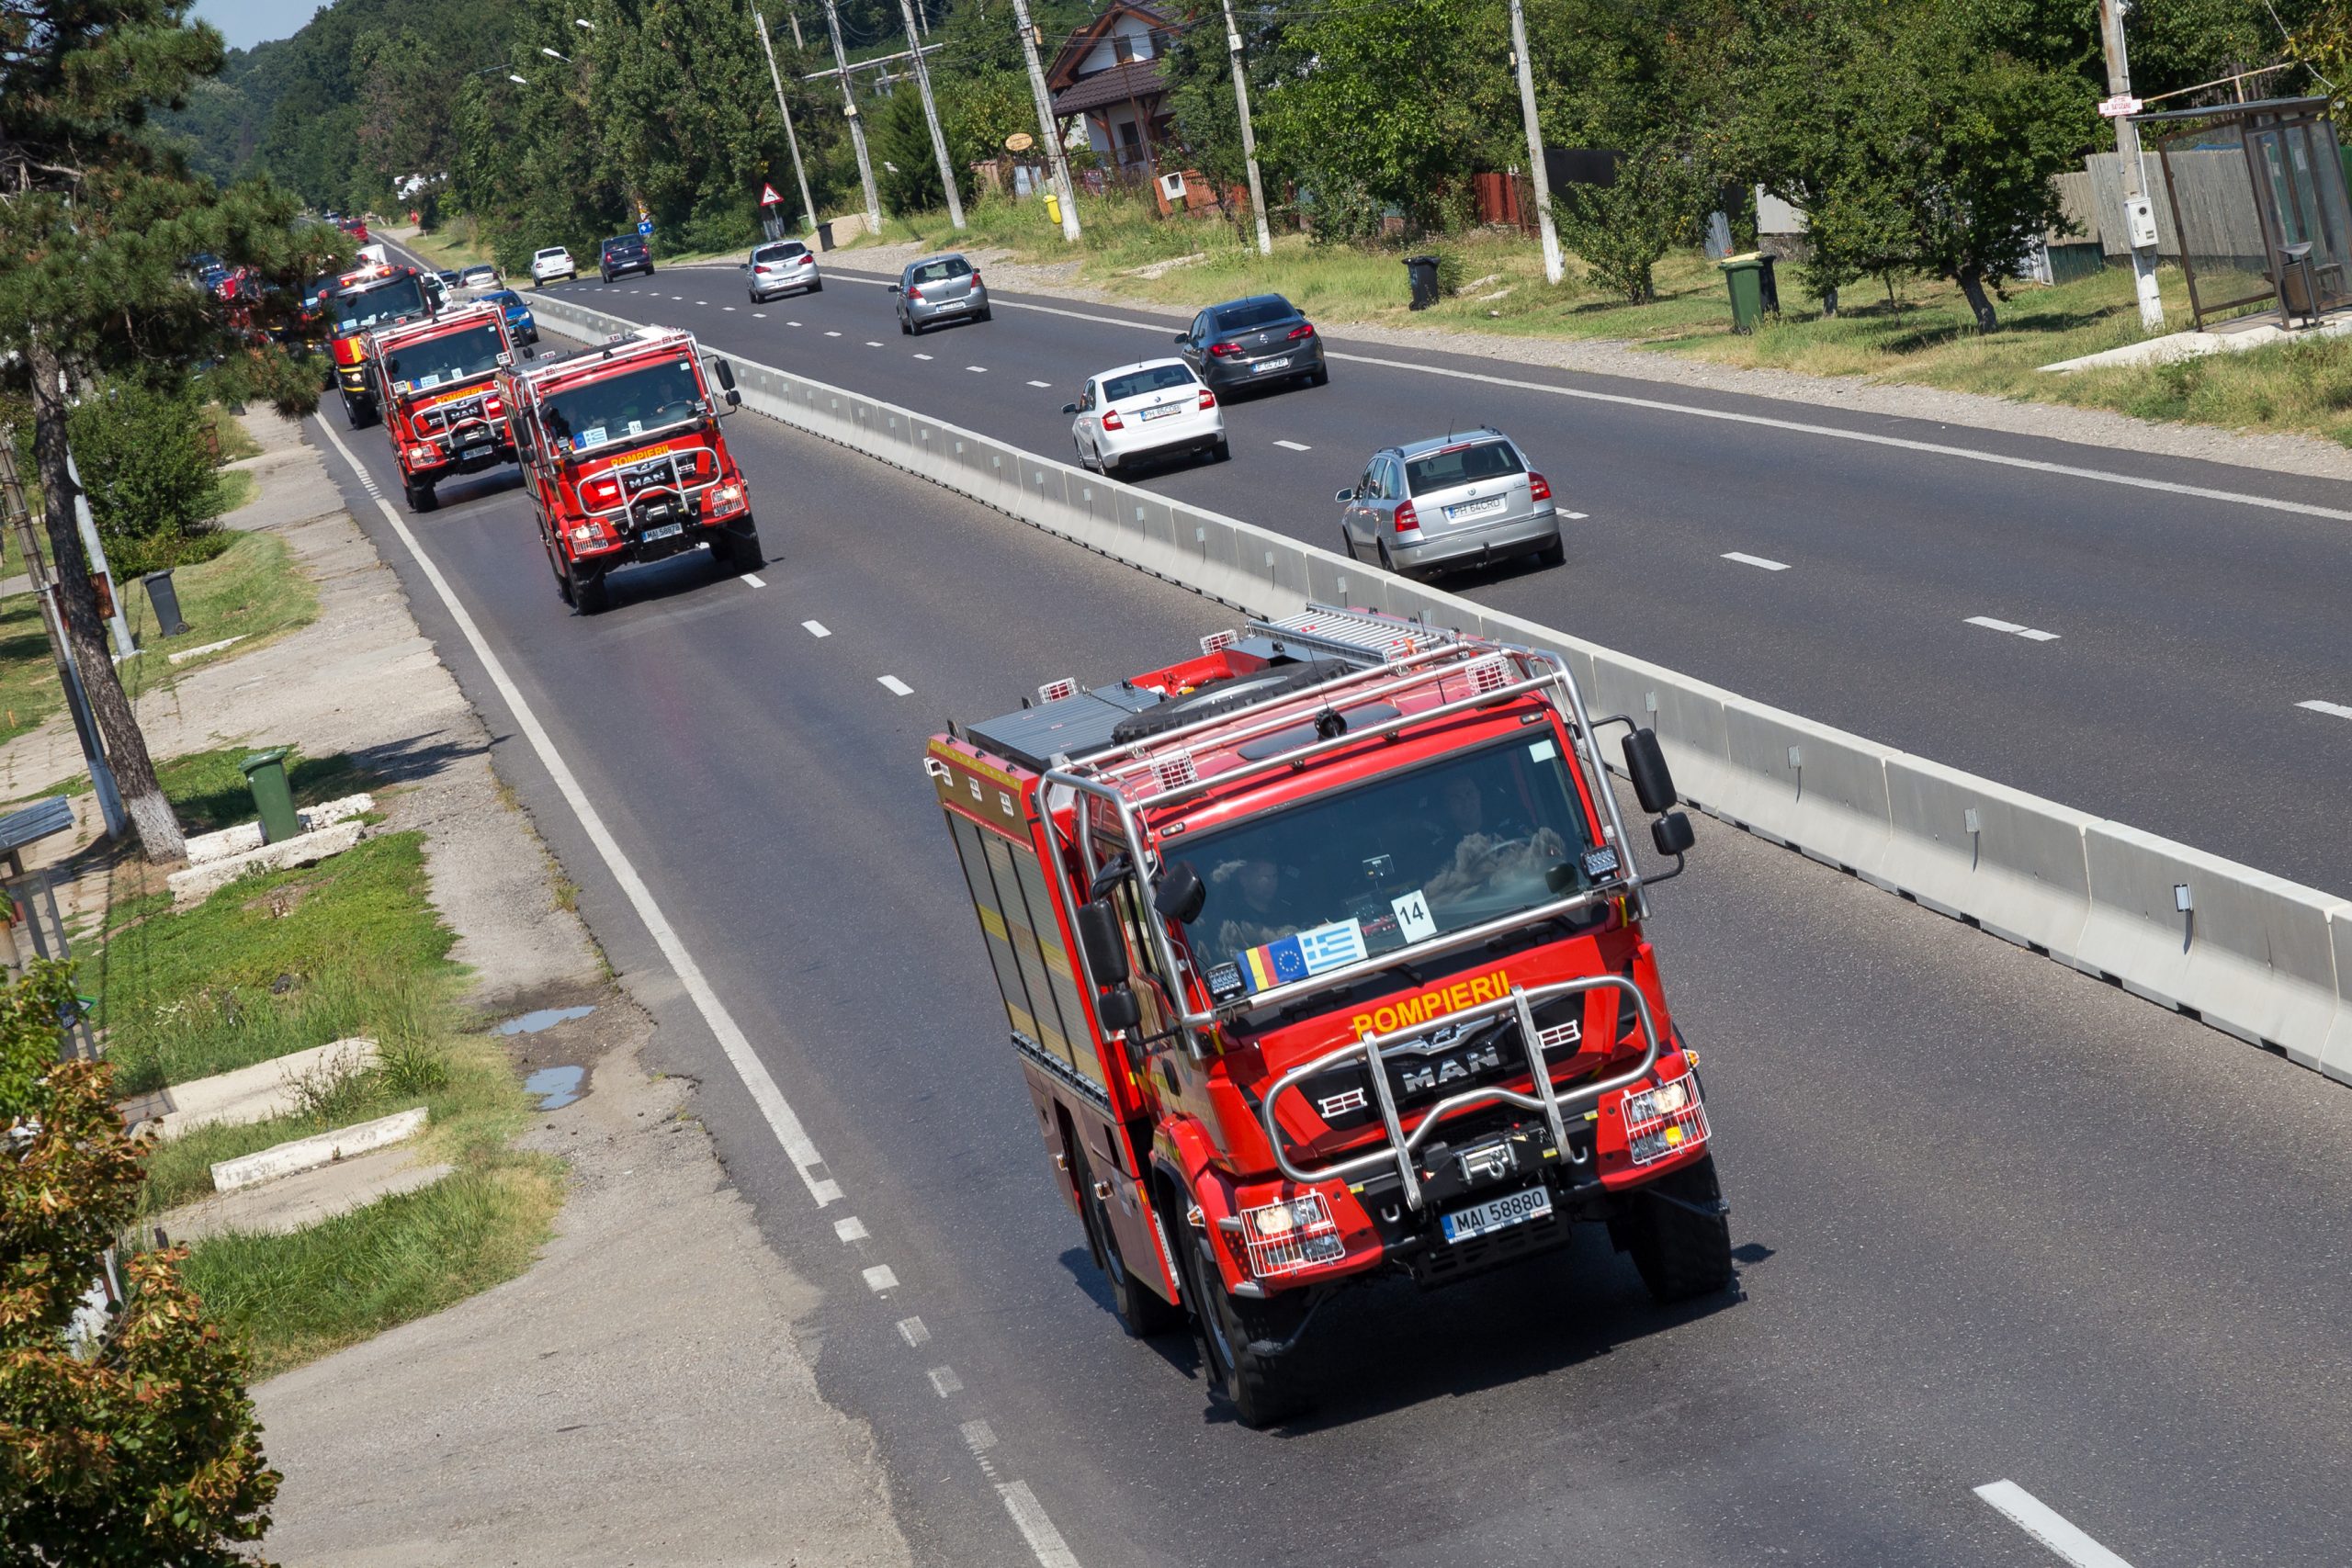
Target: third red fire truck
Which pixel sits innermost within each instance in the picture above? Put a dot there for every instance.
(1323, 958)
(363, 299)
(442, 404)
(621, 449)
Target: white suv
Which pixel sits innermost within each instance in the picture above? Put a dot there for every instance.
(555, 262)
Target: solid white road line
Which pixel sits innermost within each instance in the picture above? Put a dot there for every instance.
(815, 628)
(895, 686)
(781, 1119)
(1989, 624)
(880, 1278)
(755, 580)
(945, 1382)
(1801, 427)
(1038, 1530)
(850, 1229)
(1047, 385)
(1744, 558)
(1294, 446)
(2338, 709)
(2046, 1525)
(913, 1332)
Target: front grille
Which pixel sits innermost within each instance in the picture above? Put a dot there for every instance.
(1482, 1053)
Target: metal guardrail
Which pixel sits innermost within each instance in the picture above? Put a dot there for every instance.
(2253, 955)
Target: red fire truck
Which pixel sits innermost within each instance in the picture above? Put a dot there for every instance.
(442, 405)
(621, 447)
(1323, 957)
(363, 299)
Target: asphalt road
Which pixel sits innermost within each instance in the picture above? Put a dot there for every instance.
(2187, 630)
(1996, 1221)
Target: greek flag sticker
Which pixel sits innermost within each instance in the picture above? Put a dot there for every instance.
(1327, 947)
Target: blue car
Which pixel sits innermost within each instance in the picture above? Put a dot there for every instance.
(521, 325)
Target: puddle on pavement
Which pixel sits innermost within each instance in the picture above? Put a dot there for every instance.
(545, 1018)
(556, 1086)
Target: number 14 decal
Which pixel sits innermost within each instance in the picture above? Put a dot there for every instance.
(1413, 916)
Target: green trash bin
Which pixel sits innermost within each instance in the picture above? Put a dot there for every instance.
(273, 796)
(1748, 278)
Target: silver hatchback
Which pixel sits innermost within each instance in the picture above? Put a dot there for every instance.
(939, 288)
(1456, 500)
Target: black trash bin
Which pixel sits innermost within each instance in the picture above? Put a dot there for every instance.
(825, 235)
(1772, 284)
(2297, 285)
(166, 600)
(1423, 272)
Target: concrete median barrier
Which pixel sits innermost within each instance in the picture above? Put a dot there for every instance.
(2257, 955)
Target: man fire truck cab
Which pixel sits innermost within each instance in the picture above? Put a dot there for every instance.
(363, 300)
(441, 403)
(621, 446)
(1323, 957)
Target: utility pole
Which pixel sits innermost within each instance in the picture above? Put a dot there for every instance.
(124, 647)
(20, 519)
(1553, 268)
(1055, 159)
(856, 123)
(931, 115)
(792, 139)
(2135, 184)
(1248, 136)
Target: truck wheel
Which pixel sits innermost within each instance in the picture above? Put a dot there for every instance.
(1141, 1311)
(420, 497)
(1246, 1381)
(586, 585)
(1681, 1254)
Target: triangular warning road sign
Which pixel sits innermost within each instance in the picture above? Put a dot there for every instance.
(768, 196)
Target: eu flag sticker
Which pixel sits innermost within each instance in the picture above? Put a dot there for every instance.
(1275, 963)
(1327, 947)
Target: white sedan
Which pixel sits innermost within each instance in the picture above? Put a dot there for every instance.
(552, 262)
(1152, 409)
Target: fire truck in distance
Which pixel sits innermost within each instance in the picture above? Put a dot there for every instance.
(442, 405)
(621, 448)
(363, 300)
(1323, 957)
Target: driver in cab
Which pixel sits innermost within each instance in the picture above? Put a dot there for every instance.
(1489, 846)
(1252, 906)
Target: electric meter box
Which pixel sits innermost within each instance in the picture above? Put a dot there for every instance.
(2140, 222)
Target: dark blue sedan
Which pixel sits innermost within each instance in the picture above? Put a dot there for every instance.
(521, 325)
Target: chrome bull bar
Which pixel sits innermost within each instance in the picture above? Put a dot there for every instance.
(1372, 1049)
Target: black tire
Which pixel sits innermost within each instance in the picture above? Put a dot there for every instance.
(1221, 452)
(649, 269)
(420, 496)
(562, 578)
(1347, 542)
(1083, 460)
(906, 327)
(1249, 1383)
(817, 287)
(1681, 1254)
(1322, 377)
(737, 550)
(1141, 1310)
(588, 595)
(1215, 697)
(988, 313)
(1554, 554)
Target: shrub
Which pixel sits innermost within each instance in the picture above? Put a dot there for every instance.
(148, 471)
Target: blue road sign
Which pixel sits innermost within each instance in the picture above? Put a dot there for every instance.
(644, 227)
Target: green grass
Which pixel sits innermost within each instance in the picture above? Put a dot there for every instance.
(456, 245)
(208, 789)
(278, 962)
(231, 435)
(232, 488)
(251, 590)
(28, 688)
(294, 1298)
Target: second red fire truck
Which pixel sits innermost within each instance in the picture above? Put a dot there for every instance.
(362, 300)
(1323, 957)
(621, 449)
(442, 404)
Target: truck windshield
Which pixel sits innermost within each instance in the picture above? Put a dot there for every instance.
(1397, 860)
(623, 407)
(452, 358)
(401, 296)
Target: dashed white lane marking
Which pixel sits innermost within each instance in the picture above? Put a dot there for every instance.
(978, 369)
(781, 1119)
(2338, 709)
(913, 1331)
(979, 1436)
(727, 307)
(705, 302)
(1576, 516)
(1047, 385)
(880, 1278)
(791, 323)
(832, 335)
(1044, 1541)
(759, 315)
(679, 298)
(1744, 558)
(851, 1229)
(922, 356)
(944, 1380)
(1294, 446)
(1989, 624)
(874, 343)
(895, 686)
(2049, 1527)
(815, 628)
(755, 580)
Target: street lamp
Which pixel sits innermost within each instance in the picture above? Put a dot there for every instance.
(583, 22)
(518, 81)
(551, 54)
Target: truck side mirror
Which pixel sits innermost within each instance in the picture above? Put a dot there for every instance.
(1117, 1011)
(1180, 894)
(1098, 935)
(1645, 766)
(1671, 833)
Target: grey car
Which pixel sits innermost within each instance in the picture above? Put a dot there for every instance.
(1256, 342)
(1455, 500)
(940, 288)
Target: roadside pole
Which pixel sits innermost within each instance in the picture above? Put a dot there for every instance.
(931, 115)
(97, 550)
(856, 123)
(792, 139)
(1555, 268)
(1248, 136)
(1054, 158)
(53, 619)
(2138, 212)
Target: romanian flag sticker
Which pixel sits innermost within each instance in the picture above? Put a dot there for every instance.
(1296, 957)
